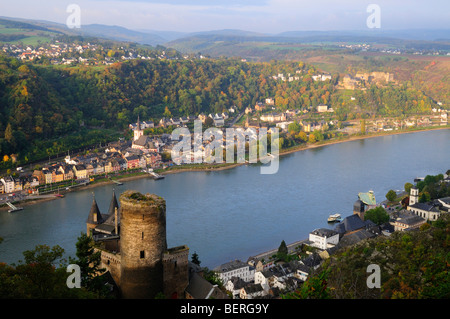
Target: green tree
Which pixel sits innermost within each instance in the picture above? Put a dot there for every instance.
(89, 262)
(195, 259)
(408, 187)
(282, 252)
(391, 195)
(378, 215)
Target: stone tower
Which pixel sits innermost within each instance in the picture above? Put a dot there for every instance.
(359, 209)
(142, 244)
(414, 196)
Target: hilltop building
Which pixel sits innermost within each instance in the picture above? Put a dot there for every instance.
(132, 240)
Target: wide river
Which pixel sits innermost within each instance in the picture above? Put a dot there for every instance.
(237, 213)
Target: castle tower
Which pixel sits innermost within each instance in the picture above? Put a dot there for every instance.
(113, 205)
(142, 244)
(359, 209)
(95, 217)
(138, 132)
(414, 196)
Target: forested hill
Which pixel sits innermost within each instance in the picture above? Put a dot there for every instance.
(43, 102)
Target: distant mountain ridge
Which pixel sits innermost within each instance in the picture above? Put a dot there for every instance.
(192, 41)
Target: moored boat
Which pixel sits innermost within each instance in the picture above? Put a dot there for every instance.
(334, 218)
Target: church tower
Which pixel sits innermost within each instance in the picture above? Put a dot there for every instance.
(414, 196)
(138, 132)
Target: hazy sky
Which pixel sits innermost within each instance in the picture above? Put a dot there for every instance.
(270, 16)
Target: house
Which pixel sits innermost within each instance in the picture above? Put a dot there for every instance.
(2, 187)
(48, 176)
(272, 117)
(323, 238)
(260, 106)
(232, 109)
(200, 288)
(80, 171)
(283, 276)
(57, 176)
(408, 222)
(350, 224)
(147, 124)
(202, 117)
(235, 268)
(8, 183)
(322, 108)
(17, 184)
(270, 101)
(39, 175)
(252, 291)
(67, 172)
(218, 120)
(234, 285)
(132, 161)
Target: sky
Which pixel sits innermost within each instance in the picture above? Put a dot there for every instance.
(265, 16)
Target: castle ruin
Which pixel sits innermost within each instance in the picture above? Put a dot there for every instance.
(132, 241)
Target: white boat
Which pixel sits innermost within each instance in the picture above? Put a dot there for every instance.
(334, 218)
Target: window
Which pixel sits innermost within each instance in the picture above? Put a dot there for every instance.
(142, 254)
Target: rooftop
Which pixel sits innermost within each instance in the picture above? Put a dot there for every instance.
(232, 265)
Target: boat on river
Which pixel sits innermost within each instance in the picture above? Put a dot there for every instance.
(334, 218)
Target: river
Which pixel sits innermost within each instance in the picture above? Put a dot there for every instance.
(237, 213)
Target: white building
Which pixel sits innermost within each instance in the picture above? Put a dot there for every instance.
(322, 108)
(235, 268)
(8, 183)
(323, 238)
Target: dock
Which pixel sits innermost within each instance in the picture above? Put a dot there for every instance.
(156, 176)
(117, 182)
(13, 208)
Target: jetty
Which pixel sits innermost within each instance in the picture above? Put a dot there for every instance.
(13, 208)
(117, 182)
(155, 176)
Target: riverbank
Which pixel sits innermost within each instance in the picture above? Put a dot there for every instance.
(224, 166)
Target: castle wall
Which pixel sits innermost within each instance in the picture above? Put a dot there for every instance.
(176, 272)
(111, 262)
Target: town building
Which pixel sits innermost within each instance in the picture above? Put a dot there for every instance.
(235, 268)
(323, 238)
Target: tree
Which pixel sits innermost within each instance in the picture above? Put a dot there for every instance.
(391, 195)
(195, 259)
(282, 251)
(89, 262)
(408, 187)
(378, 215)
(363, 126)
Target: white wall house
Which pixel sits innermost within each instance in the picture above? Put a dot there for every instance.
(235, 268)
(323, 238)
(8, 183)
